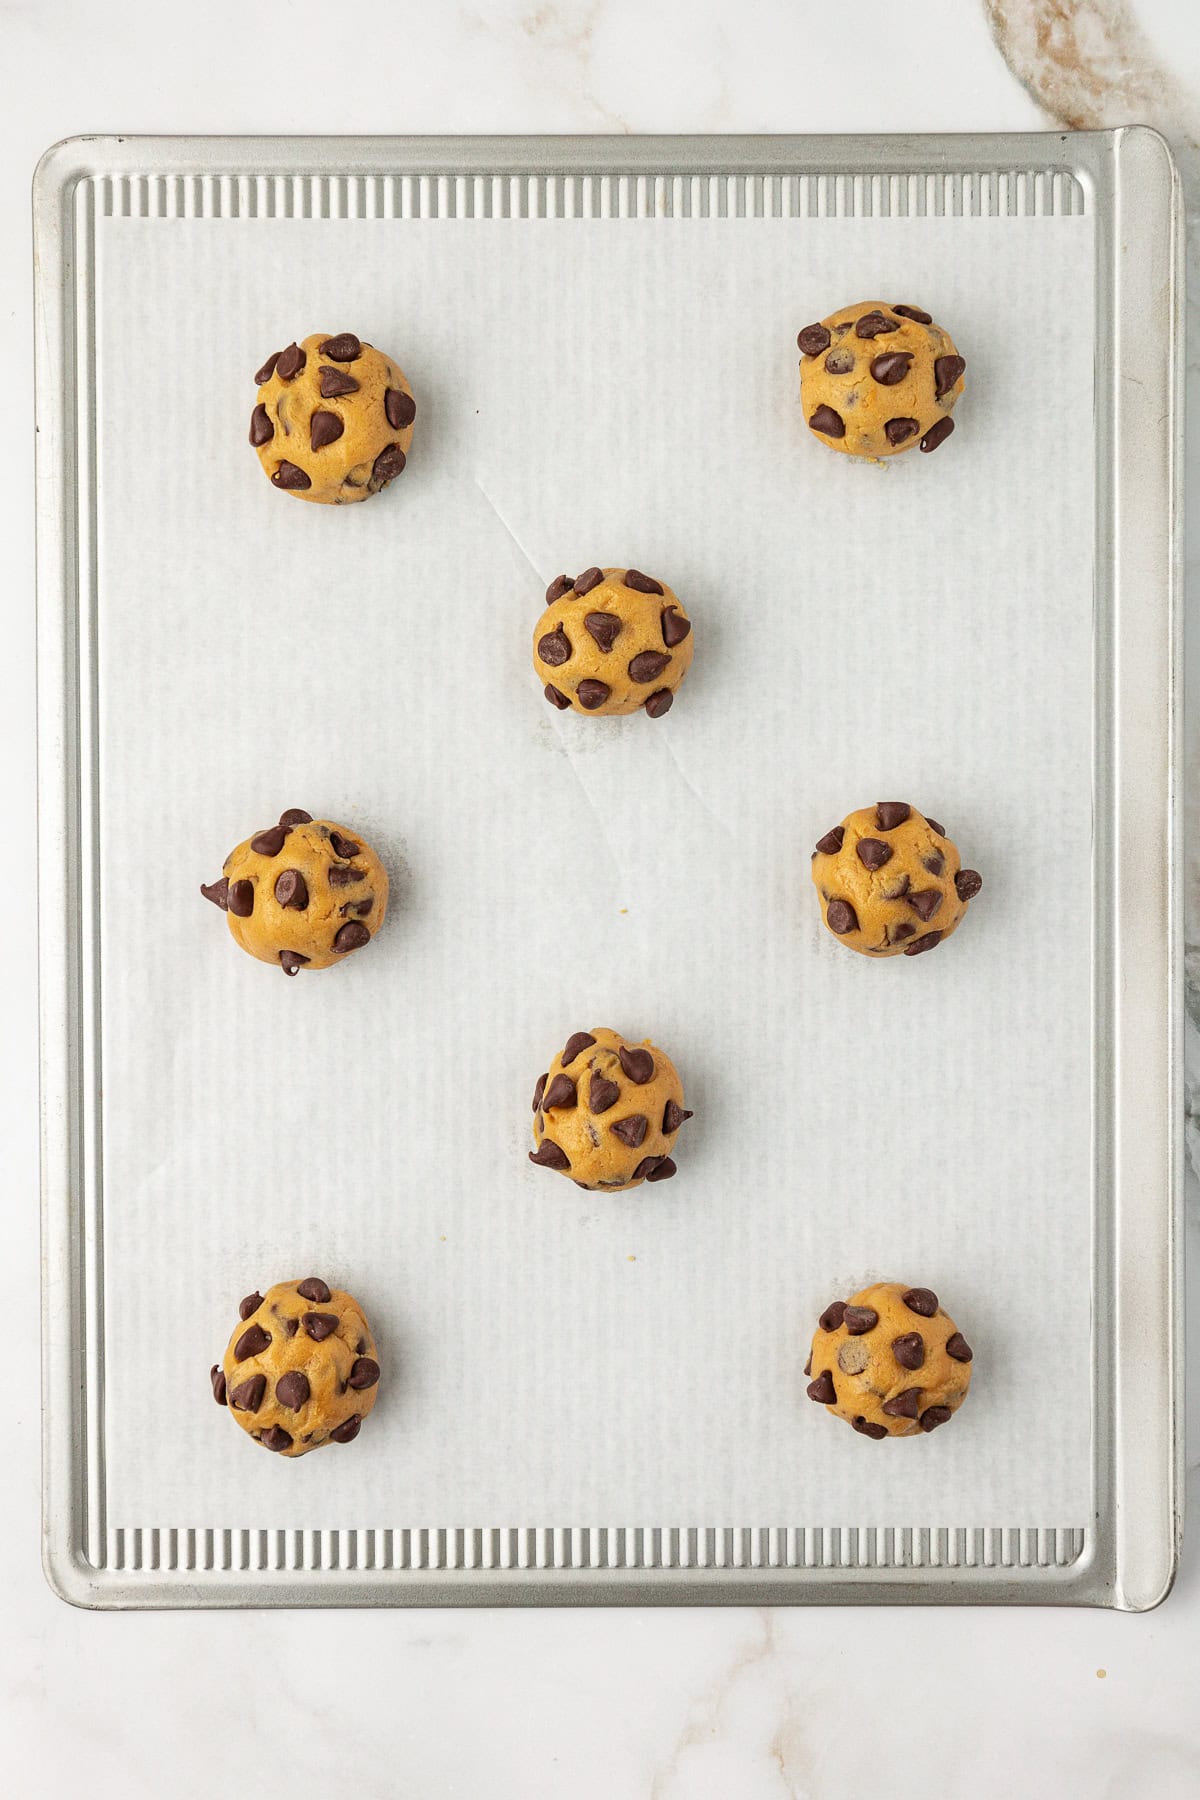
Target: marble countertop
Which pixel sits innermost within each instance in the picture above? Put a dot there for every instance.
(572, 1705)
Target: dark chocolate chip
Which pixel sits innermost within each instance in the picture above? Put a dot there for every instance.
(345, 347)
(914, 312)
(946, 371)
(588, 580)
(958, 1347)
(673, 1117)
(831, 843)
(891, 813)
(603, 627)
(346, 1432)
(967, 883)
(840, 362)
(360, 1349)
(295, 815)
(314, 1289)
(575, 1044)
(364, 1372)
(827, 421)
(270, 842)
(637, 1064)
(921, 1300)
(937, 434)
(929, 941)
(833, 1315)
(555, 647)
(822, 1389)
(896, 934)
(291, 889)
(556, 698)
(276, 1439)
(868, 1429)
(344, 846)
(663, 1169)
(335, 382)
(292, 962)
(217, 892)
(324, 428)
(860, 1319)
(644, 1168)
(350, 936)
(660, 702)
(217, 1376)
(290, 1326)
(401, 409)
(361, 907)
(319, 1326)
(874, 324)
(909, 1350)
(642, 584)
(539, 1090)
(241, 899)
(592, 694)
(935, 863)
(873, 853)
(841, 917)
(631, 1131)
(292, 1389)
(252, 1342)
(813, 339)
(561, 1092)
(933, 1416)
(674, 626)
(925, 902)
(388, 464)
(343, 875)
(808, 1364)
(890, 369)
(287, 475)
(905, 1405)
(648, 665)
(549, 1155)
(261, 428)
(898, 431)
(249, 1305)
(602, 1093)
(289, 362)
(248, 1395)
(268, 369)
(562, 584)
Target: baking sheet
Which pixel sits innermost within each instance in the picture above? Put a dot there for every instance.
(626, 394)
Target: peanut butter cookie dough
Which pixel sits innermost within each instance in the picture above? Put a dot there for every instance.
(300, 1370)
(607, 1112)
(890, 881)
(878, 379)
(611, 641)
(890, 1361)
(334, 419)
(303, 894)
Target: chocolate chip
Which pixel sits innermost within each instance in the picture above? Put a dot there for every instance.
(555, 647)
(925, 902)
(648, 665)
(914, 312)
(350, 936)
(909, 1350)
(592, 694)
(935, 863)
(946, 371)
(335, 382)
(324, 428)
(896, 934)
(575, 1044)
(548, 1155)
(808, 1364)
(958, 1347)
(561, 1092)
(822, 1389)
(261, 428)
(933, 825)
(539, 1090)
(276, 1439)
(313, 1288)
(933, 1416)
(291, 889)
(889, 370)
(868, 1429)
(831, 843)
(268, 369)
(388, 464)
(602, 1093)
(813, 339)
(287, 475)
(840, 362)
(364, 1372)
(642, 584)
(241, 899)
(673, 1117)
(295, 815)
(344, 846)
(858, 1319)
(905, 1405)
(292, 962)
(588, 580)
(269, 843)
(360, 1349)
(290, 1326)
(891, 813)
(937, 434)
(289, 362)
(929, 941)
(345, 347)
(562, 584)
(556, 698)
(874, 324)
(921, 1300)
(631, 1131)
(603, 627)
(401, 409)
(873, 853)
(645, 1168)
(898, 431)
(663, 1169)
(346, 1432)
(249, 1305)
(827, 421)
(319, 1326)
(361, 907)
(660, 702)
(248, 1395)
(967, 883)
(896, 890)
(340, 875)
(841, 917)
(217, 892)
(217, 1376)
(637, 1064)
(833, 1315)
(674, 626)
(252, 1342)
(292, 1389)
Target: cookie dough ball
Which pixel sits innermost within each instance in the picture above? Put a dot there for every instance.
(890, 1361)
(607, 1112)
(878, 379)
(301, 1369)
(303, 894)
(891, 881)
(610, 641)
(334, 419)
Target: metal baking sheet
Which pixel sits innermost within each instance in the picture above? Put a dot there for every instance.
(116, 1535)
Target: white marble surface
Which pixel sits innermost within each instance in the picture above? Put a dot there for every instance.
(635, 1705)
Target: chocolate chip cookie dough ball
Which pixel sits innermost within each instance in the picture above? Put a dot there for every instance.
(891, 881)
(300, 1370)
(607, 1112)
(303, 894)
(878, 379)
(334, 419)
(611, 641)
(890, 1361)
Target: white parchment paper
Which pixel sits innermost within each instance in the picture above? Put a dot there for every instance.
(613, 392)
